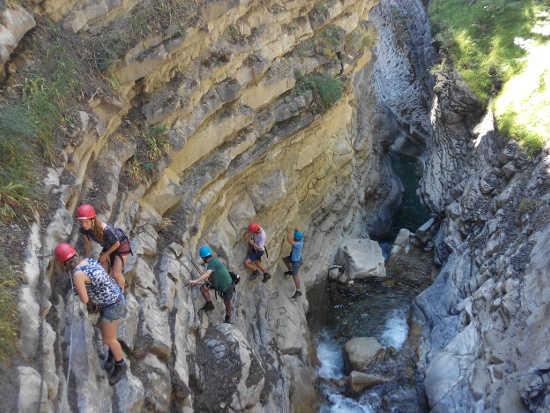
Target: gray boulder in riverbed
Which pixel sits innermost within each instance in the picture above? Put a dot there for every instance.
(360, 351)
(362, 258)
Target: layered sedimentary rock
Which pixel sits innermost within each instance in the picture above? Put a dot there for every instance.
(247, 142)
(483, 318)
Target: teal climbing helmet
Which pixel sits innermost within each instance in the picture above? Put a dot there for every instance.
(205, 252)
(298, 235)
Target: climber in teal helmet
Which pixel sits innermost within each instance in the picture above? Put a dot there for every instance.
(294, 260)
(94, 285)
(217, 278)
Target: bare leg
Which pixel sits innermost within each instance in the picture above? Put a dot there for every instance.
(116, 270)
(108, 332)
(288, 264)
(260, 266)
(105, 264)
(296, 281)
(205, 293)
(228, 307)
(248, 264)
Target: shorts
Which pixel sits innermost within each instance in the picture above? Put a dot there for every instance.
(115, 311)
(256, 255)
(123, 250)
(295, 265)
(227, 295)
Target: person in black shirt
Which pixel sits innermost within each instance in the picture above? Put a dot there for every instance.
(115, 243)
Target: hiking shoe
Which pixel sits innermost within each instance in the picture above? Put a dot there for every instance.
(118, 373)
(287, 274)
(109, 363)
(227, 319)
(254, 275)
(297, 294)
(267, 276)
(208, 306)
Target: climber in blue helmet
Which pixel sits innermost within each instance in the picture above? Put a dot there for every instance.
(217, 278)
(294, 260)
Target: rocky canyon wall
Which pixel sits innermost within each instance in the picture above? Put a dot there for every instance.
(248, 139)
(483, 320)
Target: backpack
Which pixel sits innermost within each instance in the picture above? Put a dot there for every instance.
(235, 277)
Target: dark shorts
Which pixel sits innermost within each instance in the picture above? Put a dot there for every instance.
(295, 265)
(256, 255)
(115, 311)
(227, 295)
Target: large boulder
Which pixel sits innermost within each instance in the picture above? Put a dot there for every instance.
(360, 351)
(362, 258)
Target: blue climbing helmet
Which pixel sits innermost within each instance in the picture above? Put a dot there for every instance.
(205, 252)
(298, 235)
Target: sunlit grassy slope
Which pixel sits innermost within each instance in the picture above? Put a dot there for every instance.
(501, 48)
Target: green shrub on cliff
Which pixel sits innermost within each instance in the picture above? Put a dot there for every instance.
(328, 87)
(493, 44)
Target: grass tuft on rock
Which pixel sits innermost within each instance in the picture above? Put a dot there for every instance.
(328, 87)
(28, 129)
(9, 316)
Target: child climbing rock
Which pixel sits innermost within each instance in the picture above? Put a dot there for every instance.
(294, 260)
(94, 285)
(256, 240)
(217, 278)
(115, 243)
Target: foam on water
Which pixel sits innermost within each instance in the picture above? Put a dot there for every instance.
(395, 332)
(336, 403)
(332, 362)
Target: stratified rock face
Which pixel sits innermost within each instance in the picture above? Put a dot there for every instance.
(14, 23)
(485, 317)
(402, 79)
(246, 142)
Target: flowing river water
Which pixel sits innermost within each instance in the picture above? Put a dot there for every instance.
(369, 309)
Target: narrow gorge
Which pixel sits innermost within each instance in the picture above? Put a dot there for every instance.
(183, 121)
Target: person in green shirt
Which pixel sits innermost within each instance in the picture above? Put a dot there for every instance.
(217, 278)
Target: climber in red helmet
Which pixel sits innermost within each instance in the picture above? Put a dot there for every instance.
(256, 240)
(115, 243)
(94, 285)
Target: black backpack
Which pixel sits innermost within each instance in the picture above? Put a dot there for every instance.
(235, 277)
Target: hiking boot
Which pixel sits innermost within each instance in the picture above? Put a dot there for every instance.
(297, 294)
(208, 306)
(109, 363)
(267, 276)
(118, 373)
(227, 319)
(254, 275)
(287, 274)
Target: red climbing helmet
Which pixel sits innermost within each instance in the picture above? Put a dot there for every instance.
(85, 212)
(253, 227)
(64, 252)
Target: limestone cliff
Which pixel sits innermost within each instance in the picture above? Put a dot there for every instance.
(482, 319)
(248, 139)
